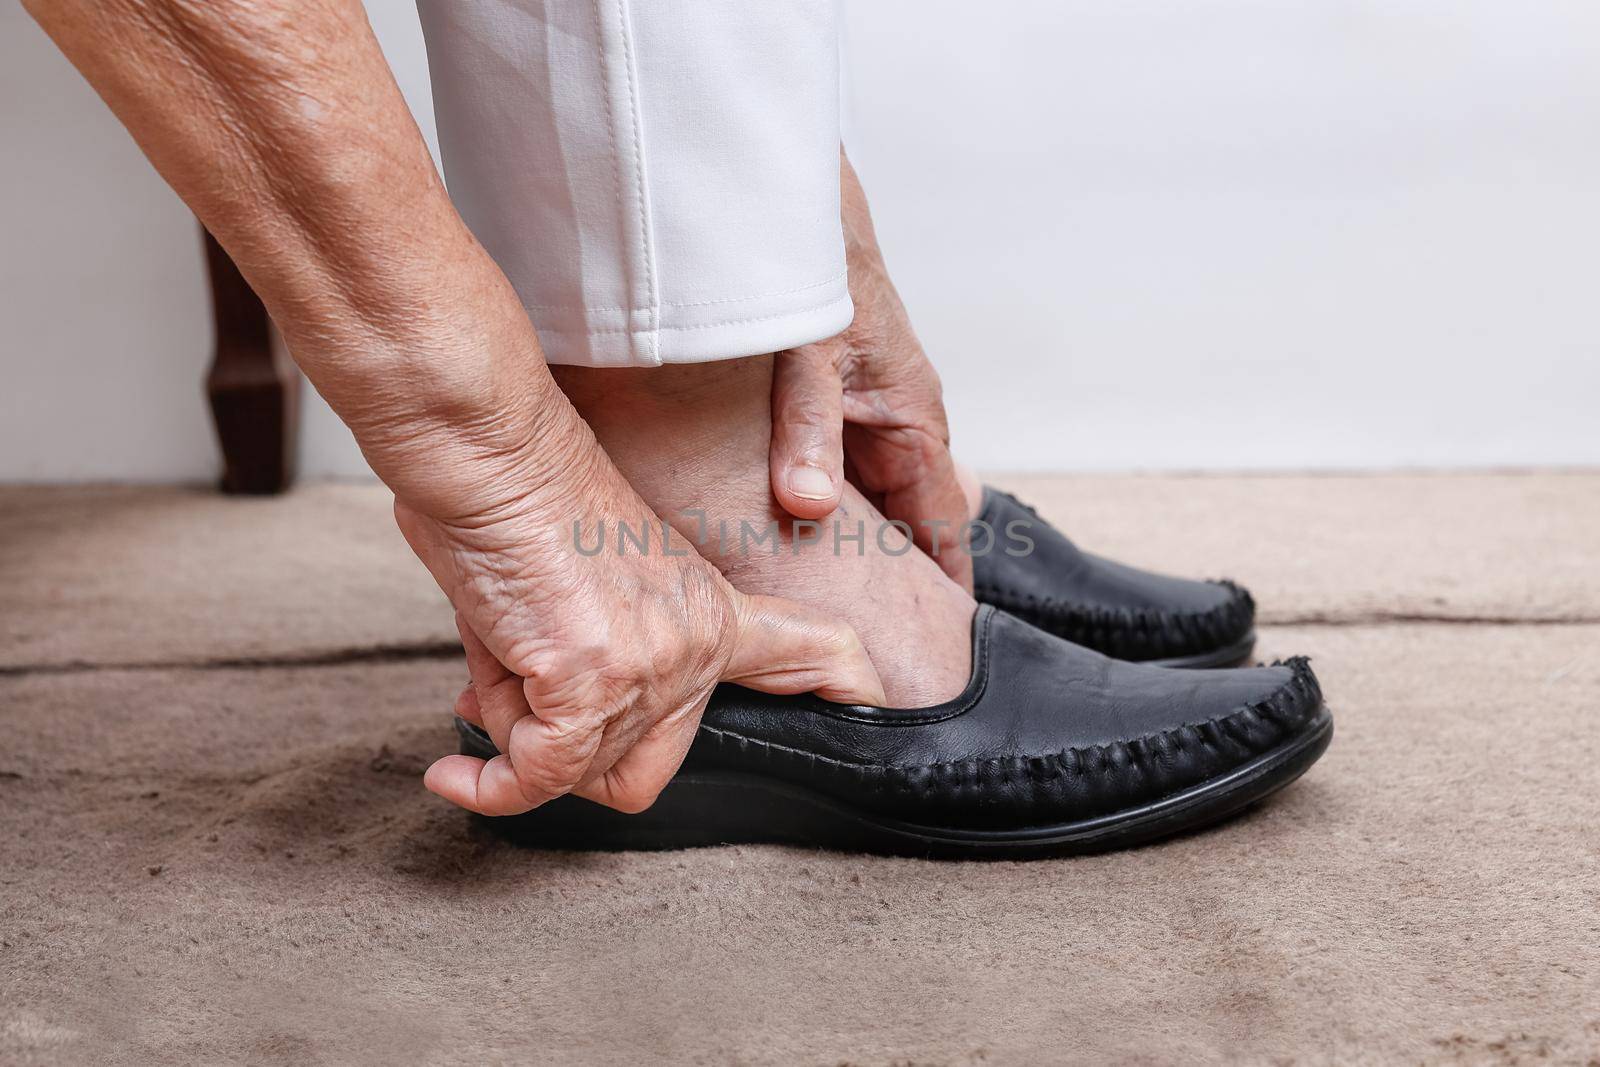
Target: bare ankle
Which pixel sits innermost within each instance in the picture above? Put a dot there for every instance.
(693, 441)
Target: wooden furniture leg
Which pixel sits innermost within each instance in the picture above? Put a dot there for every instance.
(254, 391)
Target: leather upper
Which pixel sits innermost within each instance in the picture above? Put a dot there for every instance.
(1045, 732)
(1098, 603)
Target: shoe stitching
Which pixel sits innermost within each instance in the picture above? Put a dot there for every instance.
(1282, 704)
(1101, 627)
(1296, 700)
(1105, 626)
(1022, 598)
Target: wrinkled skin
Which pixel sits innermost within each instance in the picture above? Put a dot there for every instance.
(868, 404)
(280, 125)
(590, 672)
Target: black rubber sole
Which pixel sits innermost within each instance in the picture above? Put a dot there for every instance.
(724, 808)
(1234, 655)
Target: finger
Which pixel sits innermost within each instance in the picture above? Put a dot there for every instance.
(488, 787)
(784, 647)
(637, 778)
(550, 757)
(617, 739)
(546, 757)
(482, 666)
(467, 705)
(540, 762)
(806, 457)
(501, 702)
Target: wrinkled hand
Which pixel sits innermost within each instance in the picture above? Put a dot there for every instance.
(868, 401)
(590, 671)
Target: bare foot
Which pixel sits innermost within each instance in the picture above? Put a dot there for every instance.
(693, 440)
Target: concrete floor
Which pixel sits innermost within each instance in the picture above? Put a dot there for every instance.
(214, 846)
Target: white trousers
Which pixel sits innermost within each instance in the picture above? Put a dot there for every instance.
(658, 178)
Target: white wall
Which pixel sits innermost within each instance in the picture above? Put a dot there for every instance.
(1133, 233)
(105, 329)
(1240, 233)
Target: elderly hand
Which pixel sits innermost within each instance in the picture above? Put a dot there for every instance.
(590, 669)
(869, 400)
(290, 140)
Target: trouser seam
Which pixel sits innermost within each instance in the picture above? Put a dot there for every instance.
(646, 239)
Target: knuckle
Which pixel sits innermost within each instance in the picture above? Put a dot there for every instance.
(542, 776)
(543, 663)
(633, 799)
(541, 779)
(845, 643)
(554, 763)
(807, 418)
(809, 412)
(582, 678)
(818, 357)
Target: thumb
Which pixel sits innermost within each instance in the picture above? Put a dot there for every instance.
(806, 458)
(785, 647)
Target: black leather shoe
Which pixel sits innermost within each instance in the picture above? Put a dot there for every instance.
(1104, 605)
(1052, 749)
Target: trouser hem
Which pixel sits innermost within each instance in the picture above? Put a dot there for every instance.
(691, 335)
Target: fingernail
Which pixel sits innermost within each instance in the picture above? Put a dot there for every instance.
(810, 483)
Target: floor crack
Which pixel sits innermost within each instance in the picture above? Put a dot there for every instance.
(396, 653)
(433, 650)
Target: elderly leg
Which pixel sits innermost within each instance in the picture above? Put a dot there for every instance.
(694, 439)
